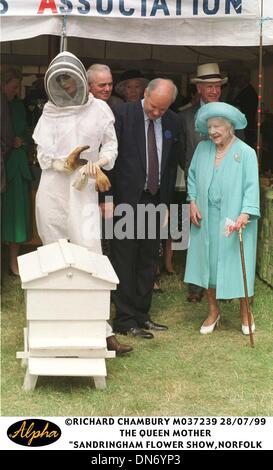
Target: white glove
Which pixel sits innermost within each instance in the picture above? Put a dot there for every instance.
(81, 179)
(92, 170)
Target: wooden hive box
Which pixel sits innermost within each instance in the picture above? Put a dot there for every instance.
(67, 294)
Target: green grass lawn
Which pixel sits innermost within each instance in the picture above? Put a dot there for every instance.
(179, 372)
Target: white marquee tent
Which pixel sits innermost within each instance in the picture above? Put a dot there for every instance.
(152, 35)
(173, 22)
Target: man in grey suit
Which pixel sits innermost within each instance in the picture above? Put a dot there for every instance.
(208, 82)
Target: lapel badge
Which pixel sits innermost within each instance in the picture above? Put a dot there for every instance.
(167, 134)
(237, 157)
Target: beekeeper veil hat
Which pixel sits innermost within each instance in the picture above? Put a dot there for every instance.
(66, 81)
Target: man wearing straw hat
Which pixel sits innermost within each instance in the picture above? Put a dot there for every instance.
(209, 82)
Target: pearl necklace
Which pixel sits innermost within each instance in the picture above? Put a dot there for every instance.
(221, 153)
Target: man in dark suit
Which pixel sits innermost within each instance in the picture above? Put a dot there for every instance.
(144, 173)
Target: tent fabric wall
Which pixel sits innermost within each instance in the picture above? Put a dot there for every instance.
(221, 29)
(15, 28)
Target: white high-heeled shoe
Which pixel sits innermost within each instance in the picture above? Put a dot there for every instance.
(205, 330)
(245, 329)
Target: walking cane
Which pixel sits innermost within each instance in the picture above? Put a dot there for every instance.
(245, 288)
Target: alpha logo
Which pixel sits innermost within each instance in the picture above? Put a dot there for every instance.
(34, 432)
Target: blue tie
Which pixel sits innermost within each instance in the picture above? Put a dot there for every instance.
(153, 169)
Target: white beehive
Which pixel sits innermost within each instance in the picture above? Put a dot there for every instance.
(67, 294)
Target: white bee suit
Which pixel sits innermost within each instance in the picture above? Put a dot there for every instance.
(61, 210)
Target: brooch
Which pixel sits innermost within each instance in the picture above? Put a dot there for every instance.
(237, 157)
(167, 134)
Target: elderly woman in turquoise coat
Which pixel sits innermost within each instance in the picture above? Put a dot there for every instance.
(223, 186)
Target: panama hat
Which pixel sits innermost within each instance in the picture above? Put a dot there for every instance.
(209, 73)
(216, 110)
(130, 75)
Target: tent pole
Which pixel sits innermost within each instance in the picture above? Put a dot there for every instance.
(57, 44)
(260, 86)
(63, 42)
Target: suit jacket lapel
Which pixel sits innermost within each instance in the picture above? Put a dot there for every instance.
(166, 140)
(140, 133)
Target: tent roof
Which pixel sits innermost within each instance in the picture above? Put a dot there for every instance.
(151, 58)
(169, 22)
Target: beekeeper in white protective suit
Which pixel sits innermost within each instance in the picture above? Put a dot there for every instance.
(74, 124)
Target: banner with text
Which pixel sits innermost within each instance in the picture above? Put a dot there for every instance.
(132, 8)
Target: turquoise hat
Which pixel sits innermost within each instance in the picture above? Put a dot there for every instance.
(215, 110)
